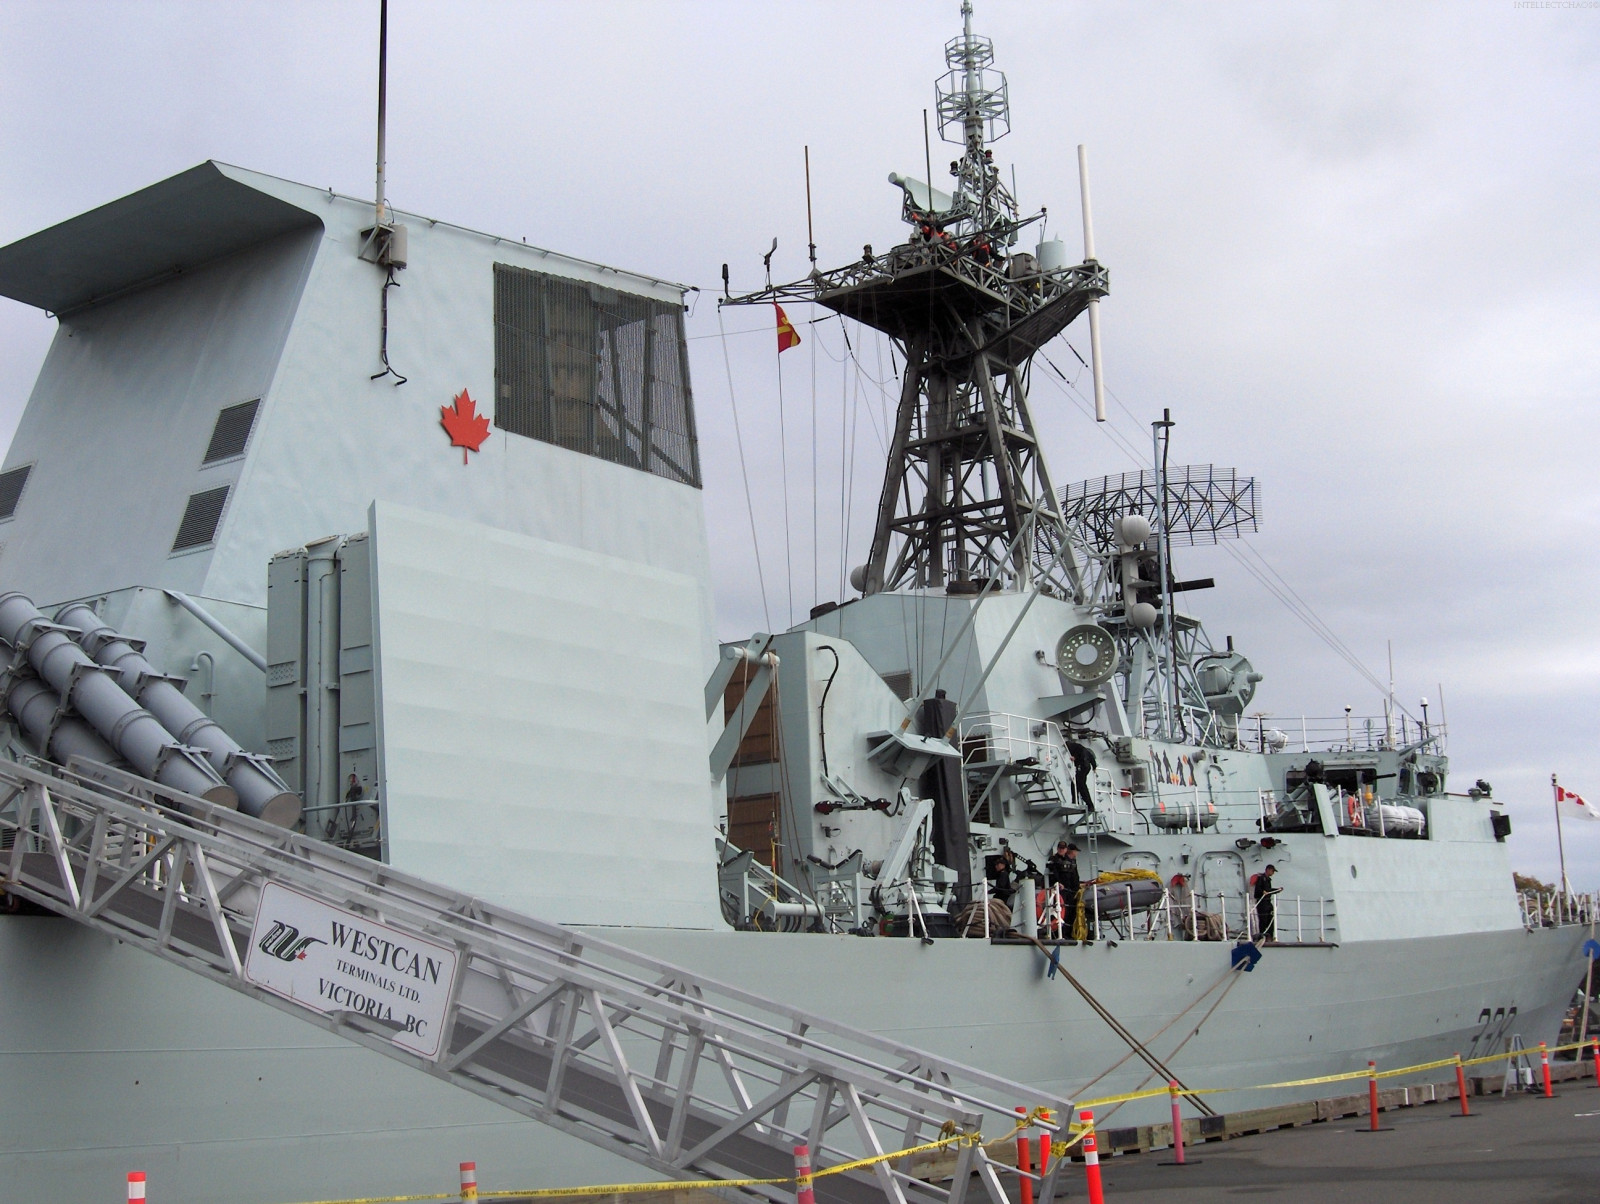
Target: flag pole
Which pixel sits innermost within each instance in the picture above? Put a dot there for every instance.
(1561, 849)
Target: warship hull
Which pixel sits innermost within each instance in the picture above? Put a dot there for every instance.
(116, 1061)
(485, 655)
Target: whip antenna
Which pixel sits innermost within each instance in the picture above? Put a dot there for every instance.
(1094, 303)
(383, 92)
(811, 237)
(385, 243)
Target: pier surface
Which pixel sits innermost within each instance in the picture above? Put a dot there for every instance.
(1523, 1148)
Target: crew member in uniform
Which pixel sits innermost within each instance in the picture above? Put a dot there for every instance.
(1083, 765)
(1063, 867)
(1266, 905)
(1003, 873)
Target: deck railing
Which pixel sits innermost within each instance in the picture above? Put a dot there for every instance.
(1191, 915)
(1555, 909)
(1337, 733)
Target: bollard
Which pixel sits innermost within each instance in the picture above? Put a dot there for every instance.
(1044, 1143)
(1024, 1165)
(135, 1187)
(469, 1182)
(1372, 1093)
(803, 1193)
(1177, 1123)
(1091, 1159)
(1597, 1061)
(1461, 1087)
(1544, 1069)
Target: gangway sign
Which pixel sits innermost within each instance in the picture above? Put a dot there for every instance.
(331, 960)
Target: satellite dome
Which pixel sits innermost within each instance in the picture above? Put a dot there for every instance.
(1133, 529)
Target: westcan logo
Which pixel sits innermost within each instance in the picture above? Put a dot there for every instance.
(284, 942)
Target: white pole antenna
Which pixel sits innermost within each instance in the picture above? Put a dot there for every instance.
(1094, 304)
(383, 79)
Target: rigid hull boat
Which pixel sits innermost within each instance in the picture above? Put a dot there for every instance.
(483, 655)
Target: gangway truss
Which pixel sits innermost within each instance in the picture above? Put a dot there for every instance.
(688, 1076)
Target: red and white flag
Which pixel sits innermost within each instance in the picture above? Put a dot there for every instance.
(1572, 804)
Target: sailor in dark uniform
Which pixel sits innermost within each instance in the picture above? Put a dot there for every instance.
(1063, 867)
(1266, 905)
(1083, 764)
(1002, 874)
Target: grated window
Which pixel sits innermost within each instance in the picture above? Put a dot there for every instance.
(232, 432)
(200, 518)
(595, 371)
(11, 485)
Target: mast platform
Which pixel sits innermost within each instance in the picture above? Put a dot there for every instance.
(940, 299)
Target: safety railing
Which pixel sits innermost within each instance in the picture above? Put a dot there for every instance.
(1338, 733)
(1012, 738)
(1190, 807)
(1296, 919)
(1553, 909)
(1126, 912)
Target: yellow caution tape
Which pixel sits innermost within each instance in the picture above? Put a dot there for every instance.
(1346, 1076)
(620, 1189)
(1058, 1145)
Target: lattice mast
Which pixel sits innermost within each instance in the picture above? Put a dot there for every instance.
(966, 493)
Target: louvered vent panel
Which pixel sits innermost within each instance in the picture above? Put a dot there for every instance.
(232, 432)
(593, 370)
(200, 518)
(11, 484)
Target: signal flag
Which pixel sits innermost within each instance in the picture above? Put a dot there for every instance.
(788, 336)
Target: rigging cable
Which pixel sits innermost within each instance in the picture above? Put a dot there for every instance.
(1151, 1039)
(783, 461)
(847, 474)
(816, 483)
(738, 438)
(1237, 974)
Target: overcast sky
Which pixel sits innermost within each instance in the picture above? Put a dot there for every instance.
(1354, 247)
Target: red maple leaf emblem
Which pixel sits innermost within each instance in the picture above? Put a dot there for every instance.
(467, 428)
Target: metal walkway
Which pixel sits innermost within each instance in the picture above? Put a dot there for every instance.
(690, 1077)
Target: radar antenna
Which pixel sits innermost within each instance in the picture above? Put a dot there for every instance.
(965, 476)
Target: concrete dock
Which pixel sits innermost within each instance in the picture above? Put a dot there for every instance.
(1523, 1148)
(1517, 1149)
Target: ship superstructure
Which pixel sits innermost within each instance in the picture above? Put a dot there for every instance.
(1039, 681)
(255, 466)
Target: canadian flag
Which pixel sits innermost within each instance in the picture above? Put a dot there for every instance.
(1574, 804)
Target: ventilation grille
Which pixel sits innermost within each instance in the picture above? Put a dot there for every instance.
(595, 371)
(900, 683)
(232, 432)
(11, 484)
(200, 518)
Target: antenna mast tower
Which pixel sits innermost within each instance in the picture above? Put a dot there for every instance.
(967, 494)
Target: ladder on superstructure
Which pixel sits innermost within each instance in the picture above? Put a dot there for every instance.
(688, 1076)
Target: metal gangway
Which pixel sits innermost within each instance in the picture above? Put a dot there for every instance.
(693, 1078)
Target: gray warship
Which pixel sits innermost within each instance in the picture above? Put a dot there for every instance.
(309, 627)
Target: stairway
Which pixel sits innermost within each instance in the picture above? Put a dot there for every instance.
(688, 1076)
